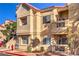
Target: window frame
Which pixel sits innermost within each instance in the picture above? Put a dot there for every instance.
(46, 41)
(63, 40)
(25, 39)
(24, 20)
(46, 19)
(60, 24)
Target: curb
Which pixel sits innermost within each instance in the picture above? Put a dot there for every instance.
(16, 54)
(12, 53)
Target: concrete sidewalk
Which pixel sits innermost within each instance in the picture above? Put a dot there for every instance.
(23, 53)
(17, 53)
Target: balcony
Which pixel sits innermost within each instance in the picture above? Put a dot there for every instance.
(61, 29)
(23, 30)
(56, 30)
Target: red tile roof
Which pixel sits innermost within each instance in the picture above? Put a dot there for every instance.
(10, 20)
(2, 26)
(36, 9)
(32, 7)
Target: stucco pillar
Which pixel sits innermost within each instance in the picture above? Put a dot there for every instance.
(55, 14)
(31, 24)
(38, 28)
(38, 25)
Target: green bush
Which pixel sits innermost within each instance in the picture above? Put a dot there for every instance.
(42, 49)
(10, 32)
(29, 49)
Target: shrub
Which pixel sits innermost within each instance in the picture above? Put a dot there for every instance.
(42, 49)
(29, 49)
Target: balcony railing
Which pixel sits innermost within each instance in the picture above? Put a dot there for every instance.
(60, 29)
(55, 29)
(22, 29)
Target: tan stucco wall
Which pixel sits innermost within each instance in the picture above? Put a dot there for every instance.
(23, 46)
(21, 12)
(21, 28)
(55, 12)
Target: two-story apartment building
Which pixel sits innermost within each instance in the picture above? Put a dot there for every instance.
(49, 25)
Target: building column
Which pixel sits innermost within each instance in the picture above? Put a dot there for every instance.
(38, 25)
(55, 14)
(31, 24)
(38, 28)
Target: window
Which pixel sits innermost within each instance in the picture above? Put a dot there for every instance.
(24, 20)
(46, 19)
(61, 24)
(46, 40)
(62, 40)
(25, 39)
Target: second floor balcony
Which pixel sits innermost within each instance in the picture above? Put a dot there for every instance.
(23, 30)
(60, 27)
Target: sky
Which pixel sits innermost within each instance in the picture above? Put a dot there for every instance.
(8, 10)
